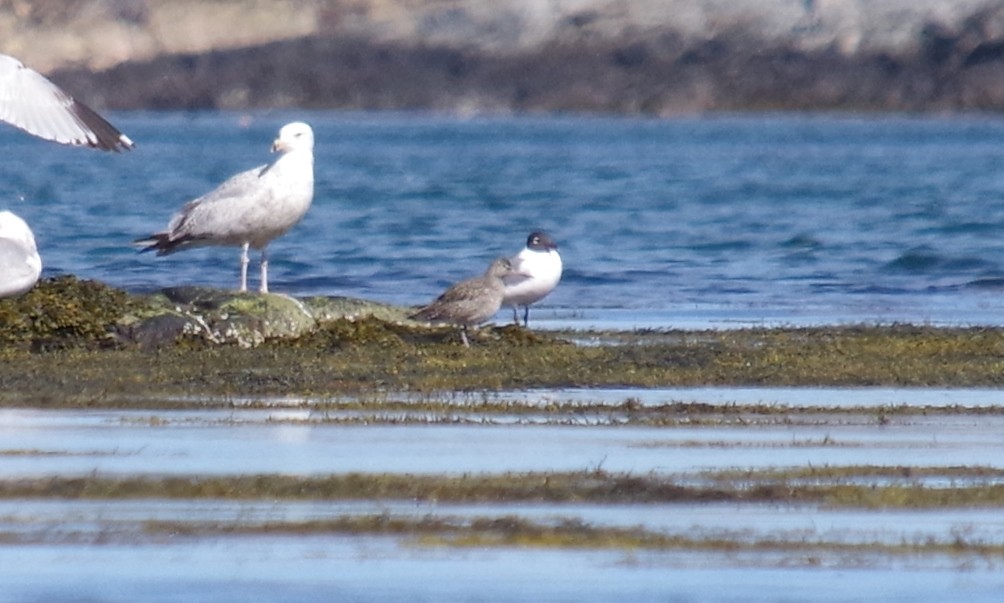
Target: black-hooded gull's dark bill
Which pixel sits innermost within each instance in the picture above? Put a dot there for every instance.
(32, 103)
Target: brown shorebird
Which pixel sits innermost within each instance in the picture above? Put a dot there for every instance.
(470, 302)
(251, 208)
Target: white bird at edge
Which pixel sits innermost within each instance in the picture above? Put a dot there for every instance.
(20, 264)
(251, 208)
(537, 270)
(34, 104)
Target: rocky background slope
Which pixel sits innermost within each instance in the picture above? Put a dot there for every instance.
(638, 56)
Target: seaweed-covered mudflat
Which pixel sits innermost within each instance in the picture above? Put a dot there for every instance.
(367, 458)
(369, 357)
(678, 495)
(72, 344)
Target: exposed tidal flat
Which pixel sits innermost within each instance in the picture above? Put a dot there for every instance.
(832, 432)
(378, 459)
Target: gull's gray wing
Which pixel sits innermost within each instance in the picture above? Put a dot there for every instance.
(32, 103)
(233, 209)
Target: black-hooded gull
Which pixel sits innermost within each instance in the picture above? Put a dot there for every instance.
(34, 104)
(20, 264)
(470, 302)
(539, 269)
(251, 208)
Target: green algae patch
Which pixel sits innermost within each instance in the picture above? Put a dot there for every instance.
(68, 312)
(511, 531)
(60, 313)
(515, 532)
(358, 357)
(73, 342)
(903, 355)
(593, 487)
(836, 473)
(542, 487)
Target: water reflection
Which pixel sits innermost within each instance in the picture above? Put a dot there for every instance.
(105, 550)
(248, 442)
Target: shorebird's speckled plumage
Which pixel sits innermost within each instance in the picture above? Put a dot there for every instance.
(32, 103)
(251, 208)
(470, 302)
(20, 264)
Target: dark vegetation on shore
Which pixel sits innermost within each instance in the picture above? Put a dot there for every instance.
(64, 344)
(832, 486)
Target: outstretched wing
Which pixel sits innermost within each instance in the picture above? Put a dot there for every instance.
(32, 103)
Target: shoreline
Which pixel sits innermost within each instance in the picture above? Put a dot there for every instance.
(640, 57)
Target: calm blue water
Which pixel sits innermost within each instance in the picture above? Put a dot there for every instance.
(683, 222)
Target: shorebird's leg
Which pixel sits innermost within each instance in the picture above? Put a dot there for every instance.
(515, 313)
(264, 272)
(463, 336)
(526, 316)
(244, 266)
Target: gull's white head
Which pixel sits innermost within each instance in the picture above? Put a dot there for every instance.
(296, 136)
(15, 229)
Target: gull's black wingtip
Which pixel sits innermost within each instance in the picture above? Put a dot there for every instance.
(105, 136)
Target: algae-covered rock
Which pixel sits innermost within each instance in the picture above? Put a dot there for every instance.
(244, 319)
(327, 309)
(214, 316)
(68, 312)
(62, 312)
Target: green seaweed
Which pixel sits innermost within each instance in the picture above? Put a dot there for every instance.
(369, 355)
(60, 313)
(515, 532)
(596, 487)
(68, 342)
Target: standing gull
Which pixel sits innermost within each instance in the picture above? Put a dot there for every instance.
(251, 208)
(20, 264)
(538, 268)
(470, 302)
(34, 104)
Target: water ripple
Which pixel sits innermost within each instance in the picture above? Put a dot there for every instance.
(775, 211)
